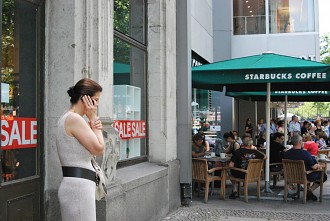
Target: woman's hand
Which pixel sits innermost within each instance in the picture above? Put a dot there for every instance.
(90, 108)
(97, 124)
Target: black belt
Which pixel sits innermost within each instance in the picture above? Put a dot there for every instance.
(79, 172)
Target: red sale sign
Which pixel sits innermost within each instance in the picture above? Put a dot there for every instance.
(18, 133)
(129, 129)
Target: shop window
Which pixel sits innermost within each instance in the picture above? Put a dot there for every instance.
(129, 18)
(18, 91)
(249, 17)
(129, 103)
(288, 16)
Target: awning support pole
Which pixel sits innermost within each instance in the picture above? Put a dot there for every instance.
(285, 121)
(267, 186)
(256, 119)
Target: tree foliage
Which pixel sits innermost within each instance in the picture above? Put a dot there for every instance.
(325, 49)
(121, 23)
(7, 36)
(313, 110)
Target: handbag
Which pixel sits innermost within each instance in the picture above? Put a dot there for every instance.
(101, 188)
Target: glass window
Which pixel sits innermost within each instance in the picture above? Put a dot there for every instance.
(18, 91)
(249, 17)
(129, 18)
(287, 16)
(130, 98)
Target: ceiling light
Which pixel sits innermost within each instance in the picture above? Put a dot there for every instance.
(249, 6)
(251, 11)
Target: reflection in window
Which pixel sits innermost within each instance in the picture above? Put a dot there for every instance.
(129, 98)
(18, 91)
(287, 16)
(129, 18)
(249, 17)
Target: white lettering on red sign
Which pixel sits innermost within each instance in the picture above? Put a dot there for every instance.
(18, 133)
(130, 129)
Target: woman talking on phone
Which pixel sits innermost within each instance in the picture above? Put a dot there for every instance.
(77, 141)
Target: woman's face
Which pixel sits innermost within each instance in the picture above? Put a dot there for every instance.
(229, 139)
(96, 98)
(198, 142)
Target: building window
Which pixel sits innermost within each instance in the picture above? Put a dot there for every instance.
(129, 77)
(287, 16)
(129, 18)
(249, 17)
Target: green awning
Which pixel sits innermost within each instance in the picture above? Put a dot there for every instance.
(260, 69)
(120, 68)
(279, 95)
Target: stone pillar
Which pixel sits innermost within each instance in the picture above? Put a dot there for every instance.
(184, 89)
(78, 44)
(162, 80)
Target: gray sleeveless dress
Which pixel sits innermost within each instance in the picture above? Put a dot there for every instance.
(76, 195)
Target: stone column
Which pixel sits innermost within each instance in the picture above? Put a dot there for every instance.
(162, 80)
(78, 44)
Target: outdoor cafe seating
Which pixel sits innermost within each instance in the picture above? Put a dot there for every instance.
(295, 173)
(201, 174)
(276, 174)
(253, 174)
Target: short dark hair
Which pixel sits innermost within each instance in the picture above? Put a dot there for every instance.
(278, 135)
(280, 122)
(229, 134)
(85, 86)
(197, 137)
(320, 133)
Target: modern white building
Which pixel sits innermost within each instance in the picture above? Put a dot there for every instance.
(141, 52)
(249, 27)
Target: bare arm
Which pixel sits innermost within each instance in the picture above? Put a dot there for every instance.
(90, 137)
(207, 145)
(316, 166)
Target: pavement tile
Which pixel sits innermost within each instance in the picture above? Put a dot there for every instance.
(271, 207)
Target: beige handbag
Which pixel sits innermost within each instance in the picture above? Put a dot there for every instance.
(101, 188)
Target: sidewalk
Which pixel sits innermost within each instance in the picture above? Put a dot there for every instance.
(269, 207)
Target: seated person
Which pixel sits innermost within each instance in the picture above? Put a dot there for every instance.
(246, 135)
(320, 139)
(297, 153)
(240, 160)
(205, 142)
(276, 151)
(261, 140)
(310, 145)
(233, 145)
(198, 148)
(280, 126)
(237, 138)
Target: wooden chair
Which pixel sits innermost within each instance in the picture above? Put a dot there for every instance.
(295, 173)
(252, 175)
(201, 174)
(275, 174)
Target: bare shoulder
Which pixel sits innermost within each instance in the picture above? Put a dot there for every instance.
(74, 118)
(74, 121)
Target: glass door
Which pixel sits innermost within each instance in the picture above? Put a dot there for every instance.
(20, 132)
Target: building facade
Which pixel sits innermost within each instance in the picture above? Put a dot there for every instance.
(130, 48)
(287, 27)
(141, 52)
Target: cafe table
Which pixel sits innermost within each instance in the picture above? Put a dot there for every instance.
(323, 163)
(223, 161)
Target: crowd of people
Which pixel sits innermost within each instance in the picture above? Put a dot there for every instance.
(305, 138)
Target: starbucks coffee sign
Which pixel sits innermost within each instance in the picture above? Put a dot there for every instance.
(285, 76)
